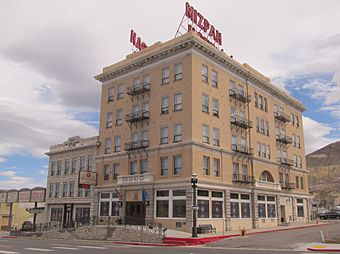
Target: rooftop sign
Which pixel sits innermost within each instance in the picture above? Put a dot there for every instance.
(199, 24)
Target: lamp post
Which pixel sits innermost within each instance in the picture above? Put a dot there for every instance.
(194, 181)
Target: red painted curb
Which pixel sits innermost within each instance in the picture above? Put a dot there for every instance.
(323, 250)
(8, 236)
(148, 244)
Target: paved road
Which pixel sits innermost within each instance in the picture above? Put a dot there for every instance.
(290, 239)
(25, 246)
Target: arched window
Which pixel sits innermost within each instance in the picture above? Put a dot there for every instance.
(266, 176)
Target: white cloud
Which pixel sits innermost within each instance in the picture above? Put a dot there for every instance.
(11, 180)
(316, 134)
(7, 173)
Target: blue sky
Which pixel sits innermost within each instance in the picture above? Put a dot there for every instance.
(50, 51)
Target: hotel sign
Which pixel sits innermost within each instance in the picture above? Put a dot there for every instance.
(202, 26)
(24, 196)
(38, 195)
(87, 178)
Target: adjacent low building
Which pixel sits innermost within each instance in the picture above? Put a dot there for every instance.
(184, 107)
(66, 201)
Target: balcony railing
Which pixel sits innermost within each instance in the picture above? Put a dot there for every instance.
(138, 89)
(242, 178)
(140, 144)
(285, 161)
(239, 95)
(242, 149)
(288, 186)
(138, 116)
(138, 178)
(281, 116)
(284, 139)
(267, 185)
(241, 122)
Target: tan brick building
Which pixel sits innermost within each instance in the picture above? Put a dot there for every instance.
(184, 107)
(66, 202)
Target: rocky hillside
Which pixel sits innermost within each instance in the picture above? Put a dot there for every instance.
(324, 166)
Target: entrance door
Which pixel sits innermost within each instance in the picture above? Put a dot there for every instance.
(135, 213)
(68, 211)
(283, 214)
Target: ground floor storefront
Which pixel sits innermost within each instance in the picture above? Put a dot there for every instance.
(68, 214)
(224, 207)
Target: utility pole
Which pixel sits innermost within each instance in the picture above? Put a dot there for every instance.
(10, 217)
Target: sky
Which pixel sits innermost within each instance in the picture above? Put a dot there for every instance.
(50, 51)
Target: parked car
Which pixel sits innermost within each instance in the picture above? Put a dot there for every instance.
(27, 226)
(333, 214)
(321, 212)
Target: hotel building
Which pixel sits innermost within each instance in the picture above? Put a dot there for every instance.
(184, 107)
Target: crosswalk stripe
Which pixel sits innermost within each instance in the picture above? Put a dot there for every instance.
(92, 247)
(36, 249)
(8, 252)
(64, 248)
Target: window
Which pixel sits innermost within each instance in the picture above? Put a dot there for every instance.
(115, 171)
(205, 103)
(217, 204)
(133, 167)
(120, 93)
(179, 204)
(165, 76)
(178, 133)
(50, 191)
(271, 207)
(89, 163)
(146, 79)
(267, 128)
(136, 83)
(206, 131)
(232, 87)
(71, 189)
(294, 140)
(256, 100)
(67, 167)
(117, 144)
(297, 182)
(235, 170)
(206, 165)
(164, 166)
(56, 214)
(238, 201)
(144, 135)
(300, 208)
(59, 167)
(215, 108)
(65, 185)
(178, 102)
(244, 171)
(52, 169)
(165, 105)
(268, 152)
(299, 162)
(214, 78)
(110, 94)
(233, 141)
(82, 163)
(298, 144)
(216, 167)
(257, 124)
(109, 204)
(260, 102)
(74, 165)
(264, 151)
(265, 104)
(216, 140)
(259, 149)
(203, 203)
(241, 90)
(292, 119)
(204, 73)
(80, 192)
(57, 189)
(233, 113)
(177, 164)
(297, 121)
(262, 206)
(82, 214)
(106, 172)
(119, 117)
(164, 135)
(178, 71)
(301, 182)
(295, 160)
(171, 204)
(262, 126)
(143, 166)
(108, 144)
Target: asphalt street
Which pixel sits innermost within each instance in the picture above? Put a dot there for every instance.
(291, 241)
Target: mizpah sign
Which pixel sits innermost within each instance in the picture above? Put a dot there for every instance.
(202, 26)
(23, 196)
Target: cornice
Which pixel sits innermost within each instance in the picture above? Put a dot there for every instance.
(70, 149)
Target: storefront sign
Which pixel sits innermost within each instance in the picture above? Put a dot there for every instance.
(38, 195)
(24, 196)
(87, 178)
(137, 41)
(12, 196)
(202, 26)
(35, 210)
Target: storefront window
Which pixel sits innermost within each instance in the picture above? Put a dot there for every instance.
(104, 208)
(82, 214)
(235, 210)
(245, 210)
(203, 208)
(56, 214)
(162, 208)
(237, 202)
(217, 209)
(262, 210)
(109, 204)
(178, 208)
(271, 210)
(300, 209)
(171, 203)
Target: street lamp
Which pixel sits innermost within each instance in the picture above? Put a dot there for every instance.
(194, 181)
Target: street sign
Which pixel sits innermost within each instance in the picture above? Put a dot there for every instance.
(35, 210)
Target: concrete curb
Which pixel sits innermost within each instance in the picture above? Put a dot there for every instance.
(323, 249)
(8, 236)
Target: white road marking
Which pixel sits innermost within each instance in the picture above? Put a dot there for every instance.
(92, 247)
(65, 248)
(8, 252)
(36, 249)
